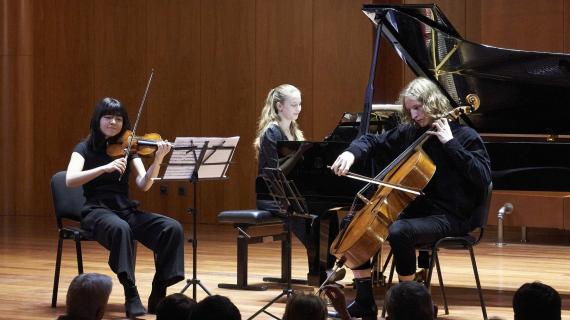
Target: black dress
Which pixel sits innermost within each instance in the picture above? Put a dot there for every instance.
(306, 231)
(115, 221)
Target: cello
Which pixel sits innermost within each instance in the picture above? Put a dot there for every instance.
(399, 184)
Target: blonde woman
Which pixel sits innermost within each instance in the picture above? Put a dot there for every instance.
(278, 122)
(463, 173)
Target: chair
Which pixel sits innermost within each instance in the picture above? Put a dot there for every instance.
(243, 220)
(67, 203)
(478, 222)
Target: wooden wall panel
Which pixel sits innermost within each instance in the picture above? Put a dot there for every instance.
(228, 97)
(566, 30)
(517, 24)
(342, 53)
(16, 107)
(119, 49)
(173, 106)
(62, 95)
(284, 54)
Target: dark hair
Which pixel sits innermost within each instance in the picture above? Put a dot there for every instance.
(87, 296)
(537, 301)
(216, 307)
(409, 301)
(107, 106)
(175, 306)
(305, 307)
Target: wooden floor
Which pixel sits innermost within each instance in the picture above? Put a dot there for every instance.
(28, 248)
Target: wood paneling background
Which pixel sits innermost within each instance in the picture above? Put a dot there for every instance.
(214, 62)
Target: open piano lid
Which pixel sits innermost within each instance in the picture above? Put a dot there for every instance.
(521, 92)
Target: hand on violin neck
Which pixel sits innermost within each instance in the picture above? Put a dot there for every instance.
(441, 129)
(162, 149)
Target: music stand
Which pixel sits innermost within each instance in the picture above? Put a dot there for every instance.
(195, 159)
(290, 204)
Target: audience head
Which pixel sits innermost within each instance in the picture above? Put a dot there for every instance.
(216, 307)
(305, 307)
(87, 296)
(537, 301)
(409, 301)
(175, 306)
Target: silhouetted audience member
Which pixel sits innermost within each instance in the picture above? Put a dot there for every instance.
(537, 301)
(409, 301)
(305, 307)
(87, 297)
(216, 307)
(176, 306)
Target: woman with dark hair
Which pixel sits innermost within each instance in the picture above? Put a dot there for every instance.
(305, 307)
(87, 297)
(114, 219)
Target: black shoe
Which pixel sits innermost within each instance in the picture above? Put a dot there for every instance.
(133, 304)
(357, 311)
(156, 295)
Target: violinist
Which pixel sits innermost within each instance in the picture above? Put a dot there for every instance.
(462, 174)
(115, 220)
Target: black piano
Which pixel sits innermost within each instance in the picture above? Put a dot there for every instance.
(524, 115)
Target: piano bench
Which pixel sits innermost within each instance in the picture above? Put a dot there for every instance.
(242, 220)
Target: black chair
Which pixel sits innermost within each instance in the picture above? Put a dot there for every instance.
(67, 203)
(478, 222)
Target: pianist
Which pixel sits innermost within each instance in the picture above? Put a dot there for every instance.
(278, 122)
(463, 172)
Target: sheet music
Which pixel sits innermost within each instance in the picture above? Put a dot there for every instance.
(186, 151)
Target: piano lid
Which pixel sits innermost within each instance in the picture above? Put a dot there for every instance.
(521, 92)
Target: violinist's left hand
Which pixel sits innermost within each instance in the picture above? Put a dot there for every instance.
(441, 129)
(163, 148)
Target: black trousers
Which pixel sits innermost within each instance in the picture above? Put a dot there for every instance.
(409, 231)
(116, 230)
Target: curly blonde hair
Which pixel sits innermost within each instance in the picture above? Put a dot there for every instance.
(269, 113)
(435, 104)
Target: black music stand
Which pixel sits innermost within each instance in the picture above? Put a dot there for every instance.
(196, 159)
(290, 204)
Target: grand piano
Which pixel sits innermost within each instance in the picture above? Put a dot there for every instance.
(524, 117)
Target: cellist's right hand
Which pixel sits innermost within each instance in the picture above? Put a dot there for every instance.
(343, 163)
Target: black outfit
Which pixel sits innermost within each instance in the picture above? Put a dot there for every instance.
(304, 230)
(115, 221)
(462, 173)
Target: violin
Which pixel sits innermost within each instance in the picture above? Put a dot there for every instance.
(145, 146)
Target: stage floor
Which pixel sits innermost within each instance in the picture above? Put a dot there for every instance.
(28, 249)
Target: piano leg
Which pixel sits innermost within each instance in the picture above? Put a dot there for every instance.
(317, 240)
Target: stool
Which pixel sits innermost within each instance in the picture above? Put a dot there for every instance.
(242, 220)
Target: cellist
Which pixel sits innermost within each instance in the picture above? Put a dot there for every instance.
(462, 173)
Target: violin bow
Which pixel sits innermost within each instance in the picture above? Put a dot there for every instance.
(129, 143)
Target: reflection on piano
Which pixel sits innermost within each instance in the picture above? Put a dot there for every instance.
(522, 117)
